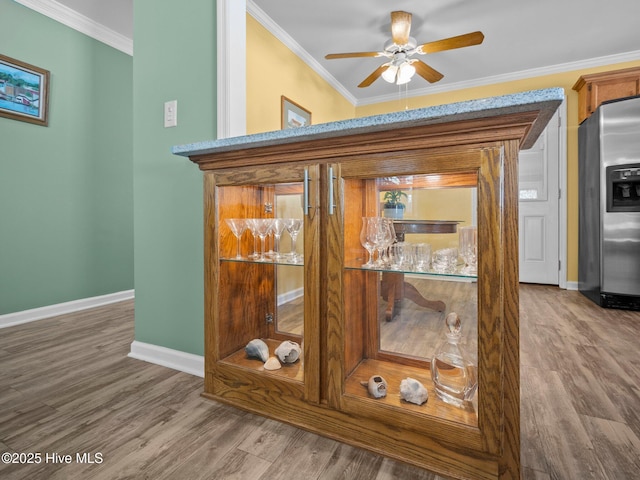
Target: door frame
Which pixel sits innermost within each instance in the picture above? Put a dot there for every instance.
(562, 186)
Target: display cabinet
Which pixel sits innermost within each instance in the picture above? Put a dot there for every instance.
(365, 296)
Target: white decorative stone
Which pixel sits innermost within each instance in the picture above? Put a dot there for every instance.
(288, 352)
(256, 348)
(377, 386)
(411, 390)
(272, 364)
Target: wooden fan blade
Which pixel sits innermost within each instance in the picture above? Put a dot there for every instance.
(352, 55)
(425, 71)
(374, 76)
(400, 27)
(466, 40)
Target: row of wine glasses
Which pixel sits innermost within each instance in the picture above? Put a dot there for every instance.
(378, 236)
(261, 228)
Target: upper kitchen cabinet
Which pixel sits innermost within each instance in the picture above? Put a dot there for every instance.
(599, 87)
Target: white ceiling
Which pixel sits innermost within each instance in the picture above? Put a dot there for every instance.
(522, 37)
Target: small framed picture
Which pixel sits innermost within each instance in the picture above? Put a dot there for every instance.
(293, 115)
(24, 91)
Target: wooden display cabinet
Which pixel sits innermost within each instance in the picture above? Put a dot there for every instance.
(339, 176)
(599, 87)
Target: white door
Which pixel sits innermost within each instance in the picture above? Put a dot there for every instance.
(539, 208)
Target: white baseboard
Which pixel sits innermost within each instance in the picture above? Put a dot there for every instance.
(167, 357)
(289, 296)
(572, 285)
(25, 316)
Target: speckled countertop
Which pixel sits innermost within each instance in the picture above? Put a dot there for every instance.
(546, 100)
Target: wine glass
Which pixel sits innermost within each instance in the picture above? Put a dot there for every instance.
(278, 228)
(390, 238)
(238, 227)
(293, 226)
(366, 239)
(383, 237)
(263, 228)
(252, 226)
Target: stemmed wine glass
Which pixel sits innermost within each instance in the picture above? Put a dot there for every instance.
(238, 227)
(367, 238)
(293, 226)
(252, 226)
(278, 228)
(388, 238)
(263, 228)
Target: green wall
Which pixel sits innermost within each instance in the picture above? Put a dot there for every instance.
(174, 59)
(66, 190)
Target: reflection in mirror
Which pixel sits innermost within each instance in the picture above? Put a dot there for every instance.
(289, 279)
(412, 307)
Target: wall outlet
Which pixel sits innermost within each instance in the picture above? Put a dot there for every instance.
(170, 113)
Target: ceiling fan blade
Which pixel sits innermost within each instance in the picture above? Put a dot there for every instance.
(331, 56)
(466, 40)
(425, 71)
(400, 27)
(374, 76)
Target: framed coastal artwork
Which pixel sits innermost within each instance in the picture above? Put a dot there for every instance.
(24, 91)
(294, 115)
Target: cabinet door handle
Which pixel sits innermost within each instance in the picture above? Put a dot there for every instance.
(332, 203)
(305, 193)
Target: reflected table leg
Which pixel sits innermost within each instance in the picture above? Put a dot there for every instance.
(394, 288)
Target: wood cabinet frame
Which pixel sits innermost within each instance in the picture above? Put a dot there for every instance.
(595, 88)
(484, 148)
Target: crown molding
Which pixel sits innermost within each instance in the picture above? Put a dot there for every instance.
(267, 22)
(65, 15)
(509, 77)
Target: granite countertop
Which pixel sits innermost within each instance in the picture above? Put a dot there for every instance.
(546, 100)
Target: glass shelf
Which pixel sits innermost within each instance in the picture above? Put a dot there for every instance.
(268, 261)
(358, 264)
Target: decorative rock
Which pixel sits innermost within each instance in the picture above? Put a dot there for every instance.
(377, 386)
(272, 364)
(256, 348)
(288, 352)
(411, 390)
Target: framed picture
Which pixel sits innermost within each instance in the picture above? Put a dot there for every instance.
(24, 91)
(293, 115)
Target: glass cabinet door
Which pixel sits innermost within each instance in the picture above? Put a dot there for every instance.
(263, 299)
(410, 315)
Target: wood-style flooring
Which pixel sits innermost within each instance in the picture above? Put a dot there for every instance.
(67, 387)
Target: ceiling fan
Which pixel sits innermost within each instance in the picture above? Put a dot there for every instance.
(401, 67)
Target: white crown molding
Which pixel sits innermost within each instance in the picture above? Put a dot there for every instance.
(71, 18)
(25, 316)
(167, 357)
(509, 77)
(267, 22)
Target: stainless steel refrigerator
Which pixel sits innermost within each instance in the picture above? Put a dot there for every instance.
(609, 205)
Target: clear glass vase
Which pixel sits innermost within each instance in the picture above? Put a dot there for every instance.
(453, 374)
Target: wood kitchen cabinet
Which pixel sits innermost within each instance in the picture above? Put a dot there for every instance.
(330, 177)
(596, 88)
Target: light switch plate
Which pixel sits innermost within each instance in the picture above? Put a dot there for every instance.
(170, 113)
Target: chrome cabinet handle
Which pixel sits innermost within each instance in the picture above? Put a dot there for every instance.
(332, 203)
(306, 192)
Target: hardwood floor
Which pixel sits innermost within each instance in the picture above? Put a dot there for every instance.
(67, 387)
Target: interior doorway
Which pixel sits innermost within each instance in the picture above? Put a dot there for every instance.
(542, 207)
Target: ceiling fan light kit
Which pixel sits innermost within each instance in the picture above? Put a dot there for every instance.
(401, 69)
